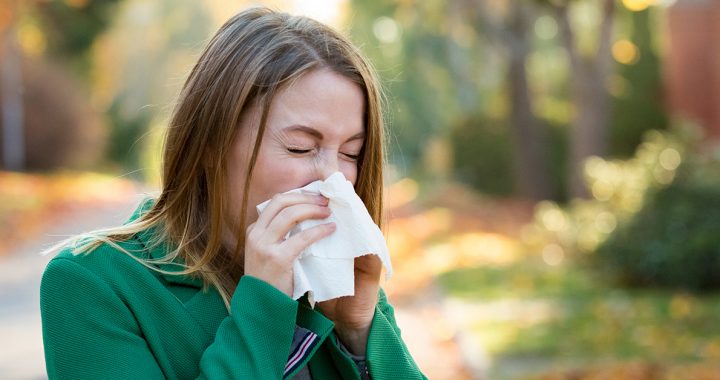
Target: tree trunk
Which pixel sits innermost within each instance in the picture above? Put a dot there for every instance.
(529, 135)
(589, 135)
(11, 108)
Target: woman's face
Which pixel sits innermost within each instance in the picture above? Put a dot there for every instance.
(315, 128)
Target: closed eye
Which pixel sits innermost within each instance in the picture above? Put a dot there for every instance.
(298, 150)
(351, 156)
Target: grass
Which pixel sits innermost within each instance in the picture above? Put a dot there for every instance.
(544, 318)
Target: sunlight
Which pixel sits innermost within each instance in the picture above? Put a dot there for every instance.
(553, 254)
(670, 159)
(31, 39)
(330, 12)
(386, 30)
(638, 5)
(625, 52)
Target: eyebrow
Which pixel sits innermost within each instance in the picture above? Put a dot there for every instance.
(317, 134)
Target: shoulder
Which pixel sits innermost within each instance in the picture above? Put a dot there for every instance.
(112, 264)
(105, 257)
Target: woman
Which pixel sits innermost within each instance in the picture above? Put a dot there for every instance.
(196, 284)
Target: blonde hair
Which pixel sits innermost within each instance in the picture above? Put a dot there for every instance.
(251, 57)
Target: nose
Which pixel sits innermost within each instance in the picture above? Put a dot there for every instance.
(327, 164)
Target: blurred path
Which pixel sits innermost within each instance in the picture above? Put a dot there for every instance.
(21, 351)
(433, 341)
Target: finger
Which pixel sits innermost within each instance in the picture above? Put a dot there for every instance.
(290, 216)
(298, 243)
(281, 201)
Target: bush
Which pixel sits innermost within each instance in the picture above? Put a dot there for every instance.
(653, 221)
(62, 130)
(673, 241)
(483, 155)
(618, 189)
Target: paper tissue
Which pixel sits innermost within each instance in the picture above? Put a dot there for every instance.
(326, 268)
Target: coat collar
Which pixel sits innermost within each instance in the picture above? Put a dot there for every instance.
(157, 250)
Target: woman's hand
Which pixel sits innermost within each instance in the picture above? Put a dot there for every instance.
(353, 315)
(268, 256)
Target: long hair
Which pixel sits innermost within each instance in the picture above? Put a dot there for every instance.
(253, 55)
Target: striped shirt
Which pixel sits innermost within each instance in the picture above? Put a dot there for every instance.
(303, 343)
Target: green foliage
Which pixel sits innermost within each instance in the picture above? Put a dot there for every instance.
(482, 155)
(70, 29)
(618, 187)
(673, 240)
(148, 73)
(125, 145)
(446, 64)
(557, 152)
(638, 104)
(431, 78)
(653, 220)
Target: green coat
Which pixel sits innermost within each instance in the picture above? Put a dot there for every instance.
(105, 315)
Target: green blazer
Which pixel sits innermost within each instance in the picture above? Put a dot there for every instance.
(106, 316)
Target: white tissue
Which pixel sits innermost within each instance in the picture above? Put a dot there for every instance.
(326, 268)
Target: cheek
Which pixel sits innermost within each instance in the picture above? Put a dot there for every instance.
(350, 171)
(273, 176)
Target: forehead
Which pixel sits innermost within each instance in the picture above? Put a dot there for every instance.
(320, 99)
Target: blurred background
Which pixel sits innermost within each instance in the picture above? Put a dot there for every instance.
(553, 191)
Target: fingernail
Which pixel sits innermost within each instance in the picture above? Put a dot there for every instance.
(323, 200)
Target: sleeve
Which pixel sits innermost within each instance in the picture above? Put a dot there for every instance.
(89, 332)
(260, 329)
(386, 357)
